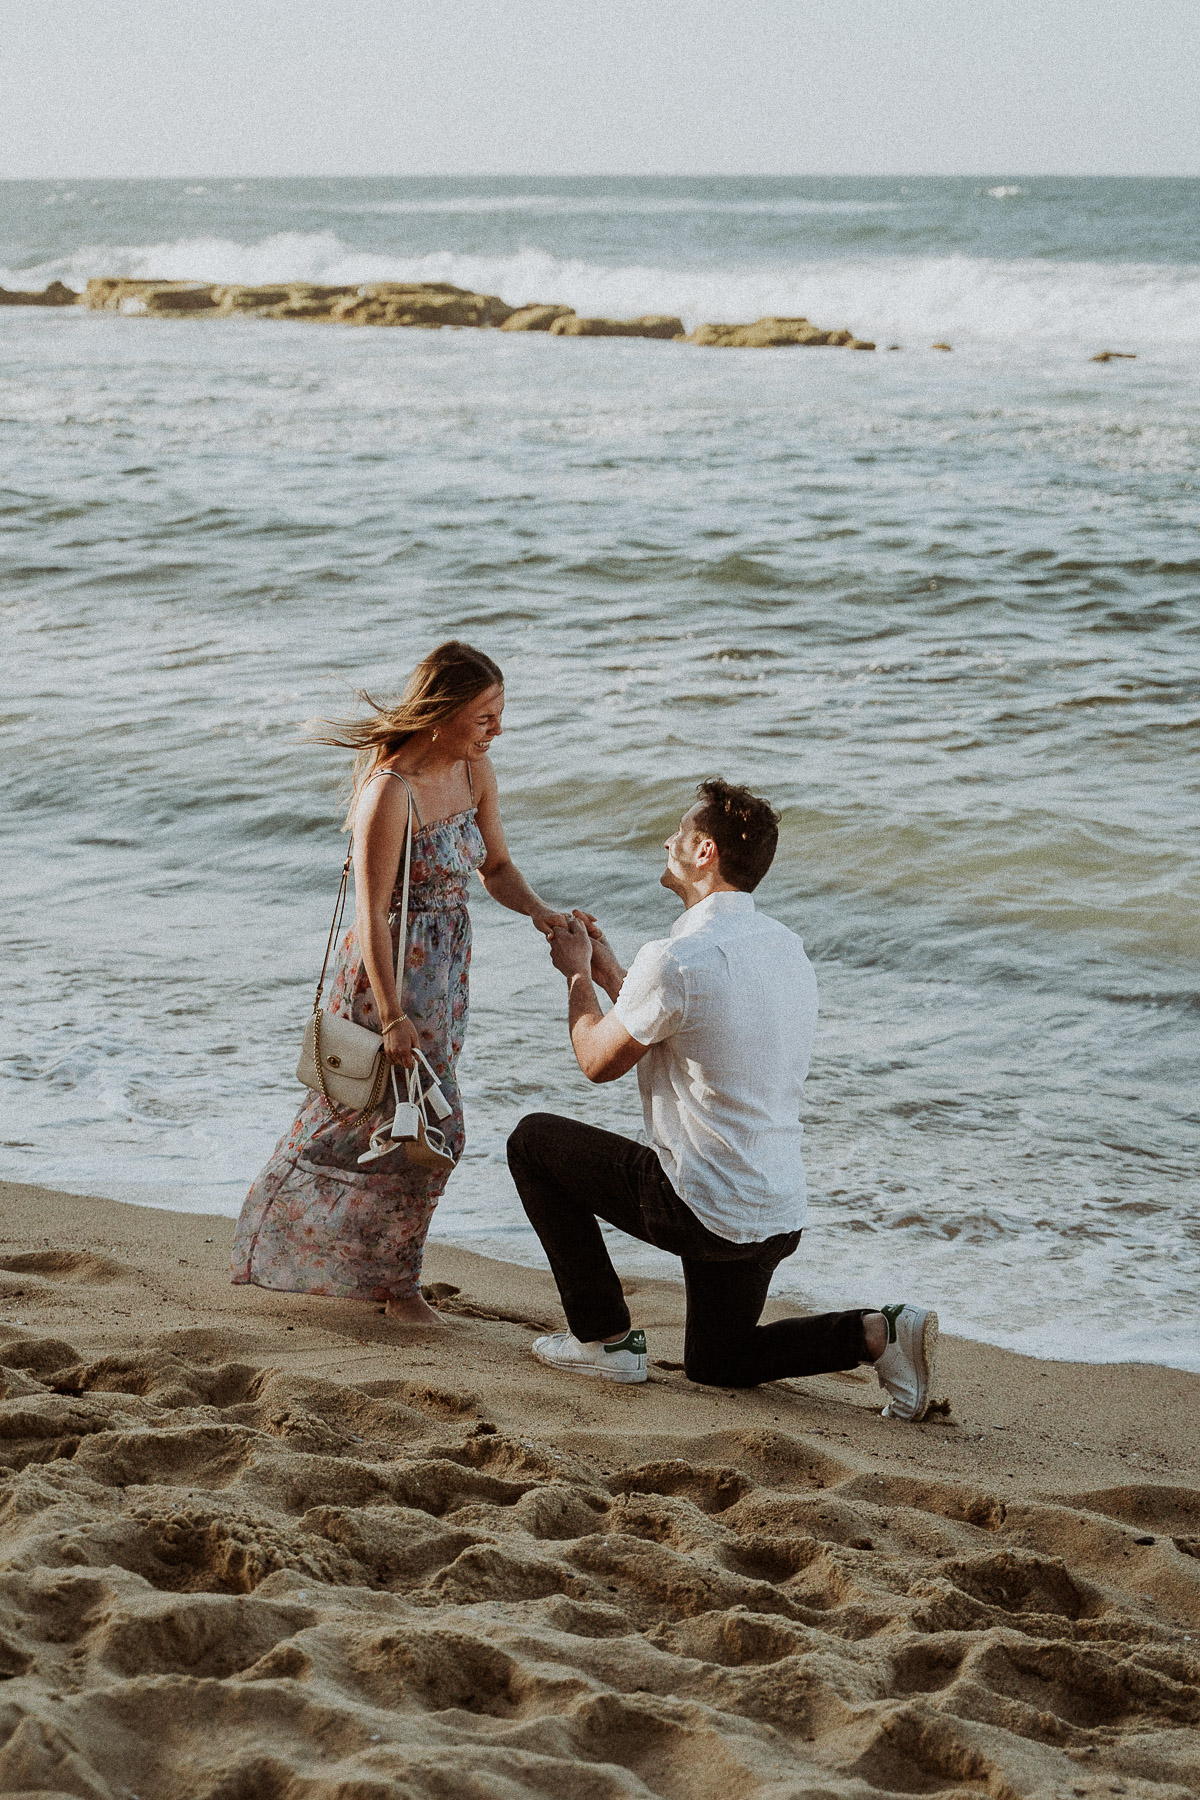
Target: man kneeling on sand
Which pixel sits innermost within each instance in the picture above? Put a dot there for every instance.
(719, 1019)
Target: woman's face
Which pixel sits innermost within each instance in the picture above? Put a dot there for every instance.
(469, 732)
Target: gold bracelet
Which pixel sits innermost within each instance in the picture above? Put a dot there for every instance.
(401, 1018)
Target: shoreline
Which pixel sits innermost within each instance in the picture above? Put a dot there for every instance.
(636, 1265)
(262, 1540)
(97, 1226)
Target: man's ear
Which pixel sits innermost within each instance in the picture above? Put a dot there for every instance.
(707, 853)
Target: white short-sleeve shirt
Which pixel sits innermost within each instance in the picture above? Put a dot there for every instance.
(728, 1005)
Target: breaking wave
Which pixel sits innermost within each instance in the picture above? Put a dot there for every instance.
(972, 299)
(567, 206)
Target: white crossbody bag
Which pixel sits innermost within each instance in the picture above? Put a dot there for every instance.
(346, 1064)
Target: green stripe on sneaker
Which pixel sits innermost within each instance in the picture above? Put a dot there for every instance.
(633, 1340)
(891, 1314)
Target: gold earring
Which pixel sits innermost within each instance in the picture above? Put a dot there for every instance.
(435, 737)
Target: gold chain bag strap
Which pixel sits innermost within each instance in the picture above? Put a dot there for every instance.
(343, 1061)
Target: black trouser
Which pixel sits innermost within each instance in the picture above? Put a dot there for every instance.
(570, 1175)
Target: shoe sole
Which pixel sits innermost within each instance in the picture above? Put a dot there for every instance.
(594, 1371)
(924, 1354)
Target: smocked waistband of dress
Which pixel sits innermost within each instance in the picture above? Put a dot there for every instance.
(452, 899)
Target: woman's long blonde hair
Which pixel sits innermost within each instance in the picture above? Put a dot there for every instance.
(443, 682)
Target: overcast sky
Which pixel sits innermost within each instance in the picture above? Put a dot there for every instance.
(396, 87)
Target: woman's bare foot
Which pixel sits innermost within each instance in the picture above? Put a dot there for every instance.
(414, 1309)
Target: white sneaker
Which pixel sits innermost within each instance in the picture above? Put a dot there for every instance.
(625, 1361)
(906, 1368)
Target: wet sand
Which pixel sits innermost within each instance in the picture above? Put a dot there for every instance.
(260, 1545)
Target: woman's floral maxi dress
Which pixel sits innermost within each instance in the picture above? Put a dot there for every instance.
(314, 1222)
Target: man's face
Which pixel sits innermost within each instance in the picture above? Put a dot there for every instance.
(682, 847)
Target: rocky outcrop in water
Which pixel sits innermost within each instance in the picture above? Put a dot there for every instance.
(118, 293)
(774, 333)
(427, 304)
(650, 325)
(292, 300)
(422, 305)
(536, 318)
(54, 295)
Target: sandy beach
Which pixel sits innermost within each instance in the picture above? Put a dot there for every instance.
(258, 1545)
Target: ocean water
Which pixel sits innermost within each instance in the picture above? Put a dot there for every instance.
(944, 609)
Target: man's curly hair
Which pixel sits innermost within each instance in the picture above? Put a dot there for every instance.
(744, 828)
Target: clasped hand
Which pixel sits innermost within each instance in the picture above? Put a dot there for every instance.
(571, 946)
(579, 947)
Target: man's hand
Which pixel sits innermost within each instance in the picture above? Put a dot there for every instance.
(603, 1048)
(571, 948)
(606, 970)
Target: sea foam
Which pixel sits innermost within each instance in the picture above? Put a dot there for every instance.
(970, 299)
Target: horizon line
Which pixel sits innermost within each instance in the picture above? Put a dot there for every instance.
(638, 175)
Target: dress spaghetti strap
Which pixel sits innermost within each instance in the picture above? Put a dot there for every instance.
(396, 776)
(470, 781)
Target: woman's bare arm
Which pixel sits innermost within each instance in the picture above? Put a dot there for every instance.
(379, 831)
(499, 873)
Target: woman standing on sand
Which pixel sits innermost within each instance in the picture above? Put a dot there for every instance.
(314, 1222)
